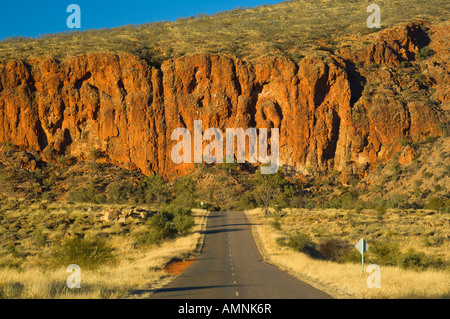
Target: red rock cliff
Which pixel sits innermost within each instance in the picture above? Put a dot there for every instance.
(127, 109)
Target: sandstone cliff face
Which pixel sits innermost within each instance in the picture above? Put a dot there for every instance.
(127, 109)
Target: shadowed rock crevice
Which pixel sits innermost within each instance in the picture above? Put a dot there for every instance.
(42, 137)
(322, 87)
(357, 82)
(121, 87)
(419, 36)
(58, 124)
(256, 91)
(79, 82)
(329, 151)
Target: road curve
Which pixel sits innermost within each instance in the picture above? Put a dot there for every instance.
(231, 267)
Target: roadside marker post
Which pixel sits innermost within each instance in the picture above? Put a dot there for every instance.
(362, 247)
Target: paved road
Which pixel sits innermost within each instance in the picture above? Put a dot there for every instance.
(230, 266)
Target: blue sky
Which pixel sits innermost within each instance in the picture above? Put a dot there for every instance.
(32, 18)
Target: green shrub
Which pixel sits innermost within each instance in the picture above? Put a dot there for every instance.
(40, 239)
(417, 260)
(177, 210)
(89, 254)
(162, 223)
(87, 194)
(156, 190)
(440, 204)
(349, 200)
(350, 255)
(309, 203)
(275, 223)
(405, 64)
(334, 249)
(281, 241)
(47, 196)
(397, 201)
(300, 201)
(247, 201)
(389, 254)
(427, 174)
(412, 260)
(185, 192)
(385, 253)
(167, 224)
(150, 237)
(381, 210)
(359, 208)
(423, 53)
(116, 193)
(303, 243)
(183, 222)
(79, 195)
(12, 250)
(435, 241)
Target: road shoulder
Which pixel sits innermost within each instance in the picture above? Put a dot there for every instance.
(256, 225)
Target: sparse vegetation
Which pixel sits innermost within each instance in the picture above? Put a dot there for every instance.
(275, 223)
(302, 243)
(245, 33)
(335, 243)
(424, 53)
(39, 240)
(335, 249)
(167, 224)
(410, 267)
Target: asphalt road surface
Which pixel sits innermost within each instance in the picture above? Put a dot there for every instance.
(231, 267)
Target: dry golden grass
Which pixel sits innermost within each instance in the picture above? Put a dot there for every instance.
(422, 230)
(139, 270)
(346, 280)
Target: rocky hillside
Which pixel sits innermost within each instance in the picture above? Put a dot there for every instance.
(338, 108)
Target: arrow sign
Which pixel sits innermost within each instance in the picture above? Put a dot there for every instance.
(362, 246)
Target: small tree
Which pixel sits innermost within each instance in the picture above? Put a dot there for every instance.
(115, 192)
(162, 222)
(156, 190)
(267, 187)
(83, 194)
(185, 192)
(183, 222)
